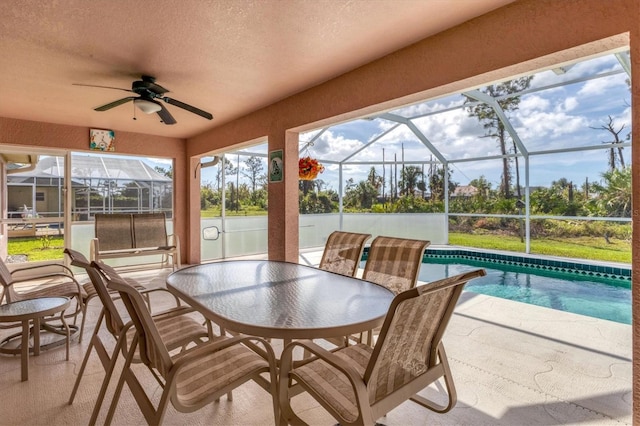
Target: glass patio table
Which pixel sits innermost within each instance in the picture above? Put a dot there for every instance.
(281, 300)
(32, 311)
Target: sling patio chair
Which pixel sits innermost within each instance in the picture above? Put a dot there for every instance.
(175, 326)
(395, 264)
(359, 384)
(78, 259)
(89, 290)
(197, 376)
(43, 280)
(342, 252)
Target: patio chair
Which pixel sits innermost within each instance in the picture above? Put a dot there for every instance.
(47, 280)
(359, 384)
(394, 262)
(199, 375)
(176, 328)
(78, 259)
(342, 252)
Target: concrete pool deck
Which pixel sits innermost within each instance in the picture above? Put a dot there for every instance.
(513, 364)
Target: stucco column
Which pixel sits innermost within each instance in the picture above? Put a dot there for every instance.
(3, 212)
(283, 201)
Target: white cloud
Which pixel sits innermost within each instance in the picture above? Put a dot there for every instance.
(335, 147)
(593, 87)
(541, 124)
(569, 104)
(532, 103)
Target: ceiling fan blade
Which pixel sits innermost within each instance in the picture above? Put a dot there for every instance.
(115, 103)
(189, 108)
(101, 87)
(165, 115)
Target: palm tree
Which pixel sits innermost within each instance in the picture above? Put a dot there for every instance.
(614, 193)
(374, 179)
(494, 126)
(410, 179)
(307, 186)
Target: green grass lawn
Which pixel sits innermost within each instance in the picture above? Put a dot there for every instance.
(242, 212)
(577, 248)
(36, 249)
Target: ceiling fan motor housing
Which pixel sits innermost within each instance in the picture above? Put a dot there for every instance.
(148, 87)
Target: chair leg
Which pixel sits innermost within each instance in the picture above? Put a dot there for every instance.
(162, 406)
(449, 385)
(86, 358)
(144, 403)
(121, 380)
(222, 333)
(105, 384)
(84, 319)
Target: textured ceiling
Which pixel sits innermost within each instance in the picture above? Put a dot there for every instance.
(228, 57)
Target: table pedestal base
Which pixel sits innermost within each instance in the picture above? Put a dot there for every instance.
(12, 345)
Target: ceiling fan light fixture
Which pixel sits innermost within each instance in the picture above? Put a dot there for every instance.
(146, 106)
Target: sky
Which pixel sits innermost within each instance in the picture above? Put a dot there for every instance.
(560, 111)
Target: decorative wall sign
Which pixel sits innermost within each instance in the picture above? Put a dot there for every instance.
(276, 166)
(102, 140)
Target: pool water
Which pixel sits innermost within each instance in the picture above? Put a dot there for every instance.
(599, 297)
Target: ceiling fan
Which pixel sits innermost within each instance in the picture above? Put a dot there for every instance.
(147, 100)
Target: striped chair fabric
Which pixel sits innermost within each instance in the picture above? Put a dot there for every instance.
(197, 376)
(342, 252)
(359, 384)
(394, 262)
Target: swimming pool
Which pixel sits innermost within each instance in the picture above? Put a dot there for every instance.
(604, 297)
(586, 289)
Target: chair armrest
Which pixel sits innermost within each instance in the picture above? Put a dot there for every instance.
(174, 240)
(66, 270)
(147, 291)
(224, 343)
(286, 364)
(81, 292)
(94, 249)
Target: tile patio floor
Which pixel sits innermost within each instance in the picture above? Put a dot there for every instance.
(513, 364)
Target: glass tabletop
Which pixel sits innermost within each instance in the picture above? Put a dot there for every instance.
(15, 311)
(281, 299)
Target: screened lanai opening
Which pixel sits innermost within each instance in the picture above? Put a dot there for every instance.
(115, 184)
(234, 203)
(39, 195)
(99, 184)
(541, 161)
